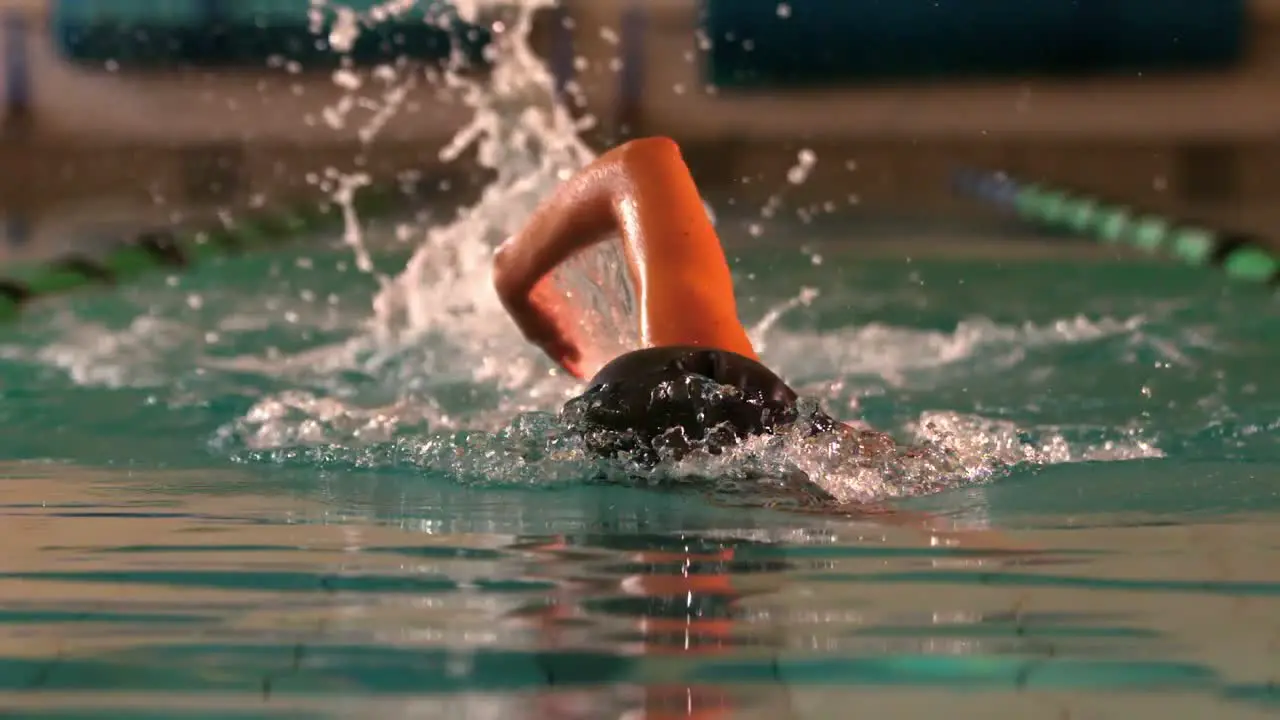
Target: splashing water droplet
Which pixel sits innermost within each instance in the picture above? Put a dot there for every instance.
(799, 173)
(519, 130)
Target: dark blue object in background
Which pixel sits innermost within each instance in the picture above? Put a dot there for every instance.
(17, 68)
(823, 42)
(248, 33)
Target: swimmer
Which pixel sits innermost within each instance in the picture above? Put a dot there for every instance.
(696, 380)
(669, 395)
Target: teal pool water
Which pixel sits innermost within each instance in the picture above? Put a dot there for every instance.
(223, 496)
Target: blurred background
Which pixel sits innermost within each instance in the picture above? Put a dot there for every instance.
(123, 113)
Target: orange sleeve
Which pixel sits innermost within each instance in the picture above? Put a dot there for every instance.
(643, 191)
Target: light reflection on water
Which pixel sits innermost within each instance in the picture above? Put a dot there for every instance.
(406, 597)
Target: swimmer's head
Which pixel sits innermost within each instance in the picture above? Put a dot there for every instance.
(670, 416)
(665, 402)
(674, 417)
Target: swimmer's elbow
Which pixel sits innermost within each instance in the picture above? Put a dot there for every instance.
(642, 154)
(654, 146)
(502, 272)
(512, 274)
(581, 212)
(512, 267)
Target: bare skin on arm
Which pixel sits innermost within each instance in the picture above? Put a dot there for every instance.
(643, 192)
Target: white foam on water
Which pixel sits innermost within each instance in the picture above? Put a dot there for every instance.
(890, 352)
(96, 355)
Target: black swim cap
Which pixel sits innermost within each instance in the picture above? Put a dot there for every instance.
(672, 400)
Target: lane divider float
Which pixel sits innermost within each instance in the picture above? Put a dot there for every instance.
(180, 248)
(1242, 256)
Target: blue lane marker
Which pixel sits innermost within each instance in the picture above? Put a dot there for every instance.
(17, 231)
(17, 66)
(992, 187)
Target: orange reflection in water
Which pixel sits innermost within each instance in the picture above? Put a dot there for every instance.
(692, 613)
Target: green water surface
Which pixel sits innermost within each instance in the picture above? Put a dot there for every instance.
(163, 563)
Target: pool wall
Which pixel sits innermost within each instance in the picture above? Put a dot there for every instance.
(87, 143)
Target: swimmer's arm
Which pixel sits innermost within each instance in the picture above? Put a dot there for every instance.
(642, 191)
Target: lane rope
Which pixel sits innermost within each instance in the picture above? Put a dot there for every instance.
(178, 248)
(1242, 256)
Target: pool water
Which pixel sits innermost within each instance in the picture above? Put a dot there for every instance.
(224, 495)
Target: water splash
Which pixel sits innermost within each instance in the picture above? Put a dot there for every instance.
(522, 133)
(948, 450)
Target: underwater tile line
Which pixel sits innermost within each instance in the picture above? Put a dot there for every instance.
(1005, 579)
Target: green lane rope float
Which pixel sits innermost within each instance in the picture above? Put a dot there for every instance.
(179, 248)
(1241, 256)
